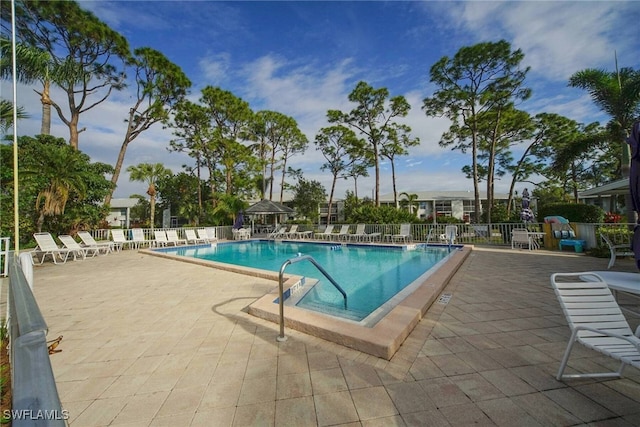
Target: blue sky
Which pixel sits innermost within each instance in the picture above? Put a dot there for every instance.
(304, 58)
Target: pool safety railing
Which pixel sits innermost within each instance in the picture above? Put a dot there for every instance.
(294, 260)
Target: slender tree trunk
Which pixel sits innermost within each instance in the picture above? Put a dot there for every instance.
(333, 187)
(45, 128)
(152, 203)
(272, 174)
(120, 160)
(198, 161)
(375, 154)
(393, 180)
(284, 173)
(476, 185)
(355, 187)
(40, 221)
(73, 131)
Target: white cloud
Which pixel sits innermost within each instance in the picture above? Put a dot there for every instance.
(215, 68)
(557, 38)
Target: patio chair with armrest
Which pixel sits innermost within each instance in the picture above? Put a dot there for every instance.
(520, 237)
(616, 251)
(596, 321)
(450, 234)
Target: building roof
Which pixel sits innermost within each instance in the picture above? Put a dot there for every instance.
(616, 187)
(123, 203)
(268, 207)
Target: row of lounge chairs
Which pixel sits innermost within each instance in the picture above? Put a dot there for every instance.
(47, 247)
(343, 235)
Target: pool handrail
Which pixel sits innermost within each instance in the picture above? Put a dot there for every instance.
(293, 260)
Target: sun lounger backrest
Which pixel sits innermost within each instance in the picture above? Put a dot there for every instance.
(69, 241)
(118, 235)
(87, 238)
(45, 241)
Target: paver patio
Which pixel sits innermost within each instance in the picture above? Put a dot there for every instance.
(153, 342)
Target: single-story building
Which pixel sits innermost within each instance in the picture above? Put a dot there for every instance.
(610, 197)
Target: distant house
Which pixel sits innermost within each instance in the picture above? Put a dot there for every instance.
(610, 197)
(120, 212)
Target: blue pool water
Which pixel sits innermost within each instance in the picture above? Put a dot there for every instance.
(370, 275)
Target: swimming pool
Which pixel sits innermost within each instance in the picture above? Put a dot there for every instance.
(373, 277)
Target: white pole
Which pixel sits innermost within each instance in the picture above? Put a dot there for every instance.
(16, 222)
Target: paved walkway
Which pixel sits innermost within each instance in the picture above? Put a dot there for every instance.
(153, 342)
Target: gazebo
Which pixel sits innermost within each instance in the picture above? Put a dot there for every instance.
(267, 207)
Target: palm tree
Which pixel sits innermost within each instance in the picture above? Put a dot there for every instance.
(618, 95)
(60, 167)
(149, 174)
(6, 114)
(28, 69)
(409, 202)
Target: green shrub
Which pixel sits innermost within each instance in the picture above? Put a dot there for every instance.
(370, 214)
(574, 212)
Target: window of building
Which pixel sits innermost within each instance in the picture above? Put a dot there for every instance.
(443, 208)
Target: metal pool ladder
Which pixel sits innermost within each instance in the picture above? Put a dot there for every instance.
(293, 260)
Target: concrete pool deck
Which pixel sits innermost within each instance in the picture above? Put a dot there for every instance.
(153, 342)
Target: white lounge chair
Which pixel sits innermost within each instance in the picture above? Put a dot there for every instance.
(138, 238)
(305, 234)
(104, 246)
(48, 246)
(326, 234)
(361, 235)
(75, 248)
(404, 234)
(343, 234)
(173, 238)
(596, 321)
(212, 234)
(616, 251)
(204, 235)
(192, 238)
(450, 234)
(279, 233)
(117, 234)
(292, 233)
(160, 238)
(521, 238)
